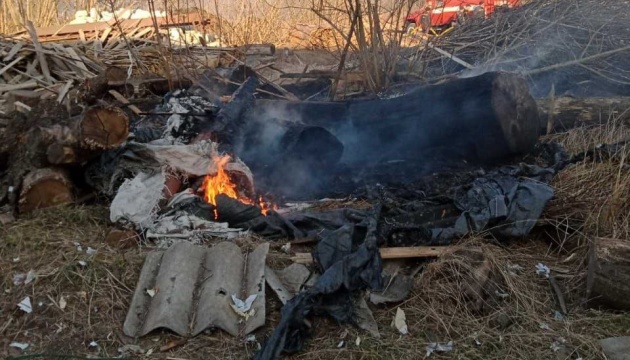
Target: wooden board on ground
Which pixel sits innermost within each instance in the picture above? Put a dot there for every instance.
(390, 253)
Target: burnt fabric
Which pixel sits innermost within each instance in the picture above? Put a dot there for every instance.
(347, 267)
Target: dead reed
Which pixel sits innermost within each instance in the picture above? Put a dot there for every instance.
(593, 196)
(581, 40)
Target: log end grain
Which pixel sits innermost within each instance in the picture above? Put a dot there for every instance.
(103, 127)
(517, 112)
(44, 188)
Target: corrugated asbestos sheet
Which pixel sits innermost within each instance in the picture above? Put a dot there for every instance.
(192, 288)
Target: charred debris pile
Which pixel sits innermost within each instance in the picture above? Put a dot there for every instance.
(412, 173)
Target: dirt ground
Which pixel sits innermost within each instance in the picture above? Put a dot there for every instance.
(97, 295)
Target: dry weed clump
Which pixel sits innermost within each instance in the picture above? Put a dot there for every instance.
(570, 44)
(593, 196)
(492, 304)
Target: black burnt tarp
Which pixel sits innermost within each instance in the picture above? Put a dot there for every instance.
(505, 202)
(502, 201)
(349, 260)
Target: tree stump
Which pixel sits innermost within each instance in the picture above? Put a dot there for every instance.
(608, 277)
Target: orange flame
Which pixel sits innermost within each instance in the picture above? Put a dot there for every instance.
(221, 183)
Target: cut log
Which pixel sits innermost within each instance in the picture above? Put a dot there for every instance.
(258, 49)
(103, 128)
(96, 87)
(99, 128)
(571, 112)
(487, 117)
(115, 76)
(608, 277)
(44, 188)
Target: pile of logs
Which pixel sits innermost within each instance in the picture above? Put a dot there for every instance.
(43, 154)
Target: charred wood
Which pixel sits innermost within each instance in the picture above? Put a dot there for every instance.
(488, 117)
(228, 123)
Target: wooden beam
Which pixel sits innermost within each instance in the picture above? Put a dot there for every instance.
(40, 52)
(390, 253)
(9, 66)
(118, 96)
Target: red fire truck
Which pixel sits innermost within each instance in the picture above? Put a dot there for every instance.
(439, 16)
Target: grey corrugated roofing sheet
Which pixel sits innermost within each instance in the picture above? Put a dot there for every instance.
(194, 287)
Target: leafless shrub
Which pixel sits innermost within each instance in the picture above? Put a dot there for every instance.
(549, 41)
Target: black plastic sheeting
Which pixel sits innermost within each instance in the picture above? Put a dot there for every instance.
(505, 202)
(508, 202)
(349, 260)
(242, 216)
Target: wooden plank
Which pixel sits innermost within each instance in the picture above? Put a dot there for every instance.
(78, 62)
(105, 34)
(73, 29)
(64, 91)
(14, 50)
(59, 30)
(15, 80)
(25, 85)
(19, 104)
(142, 33)
(390, 253)
(82, 35)
(10, 65)
(60, 64)
(39, 50)
(118, 96)
(31, 68)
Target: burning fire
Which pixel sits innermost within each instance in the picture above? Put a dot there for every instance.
(221, 183)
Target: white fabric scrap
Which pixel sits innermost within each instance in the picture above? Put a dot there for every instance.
(137, 200)
(543, 270)
(18, 278)
(193, 160)
(18, 345)
(437, 347)
(25, 305)
(400, 321)
(246, 305)
(183, 225)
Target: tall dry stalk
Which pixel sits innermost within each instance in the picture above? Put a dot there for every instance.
(15, 13)
(375, 39)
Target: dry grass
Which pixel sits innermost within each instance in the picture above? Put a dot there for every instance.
(593, 196)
